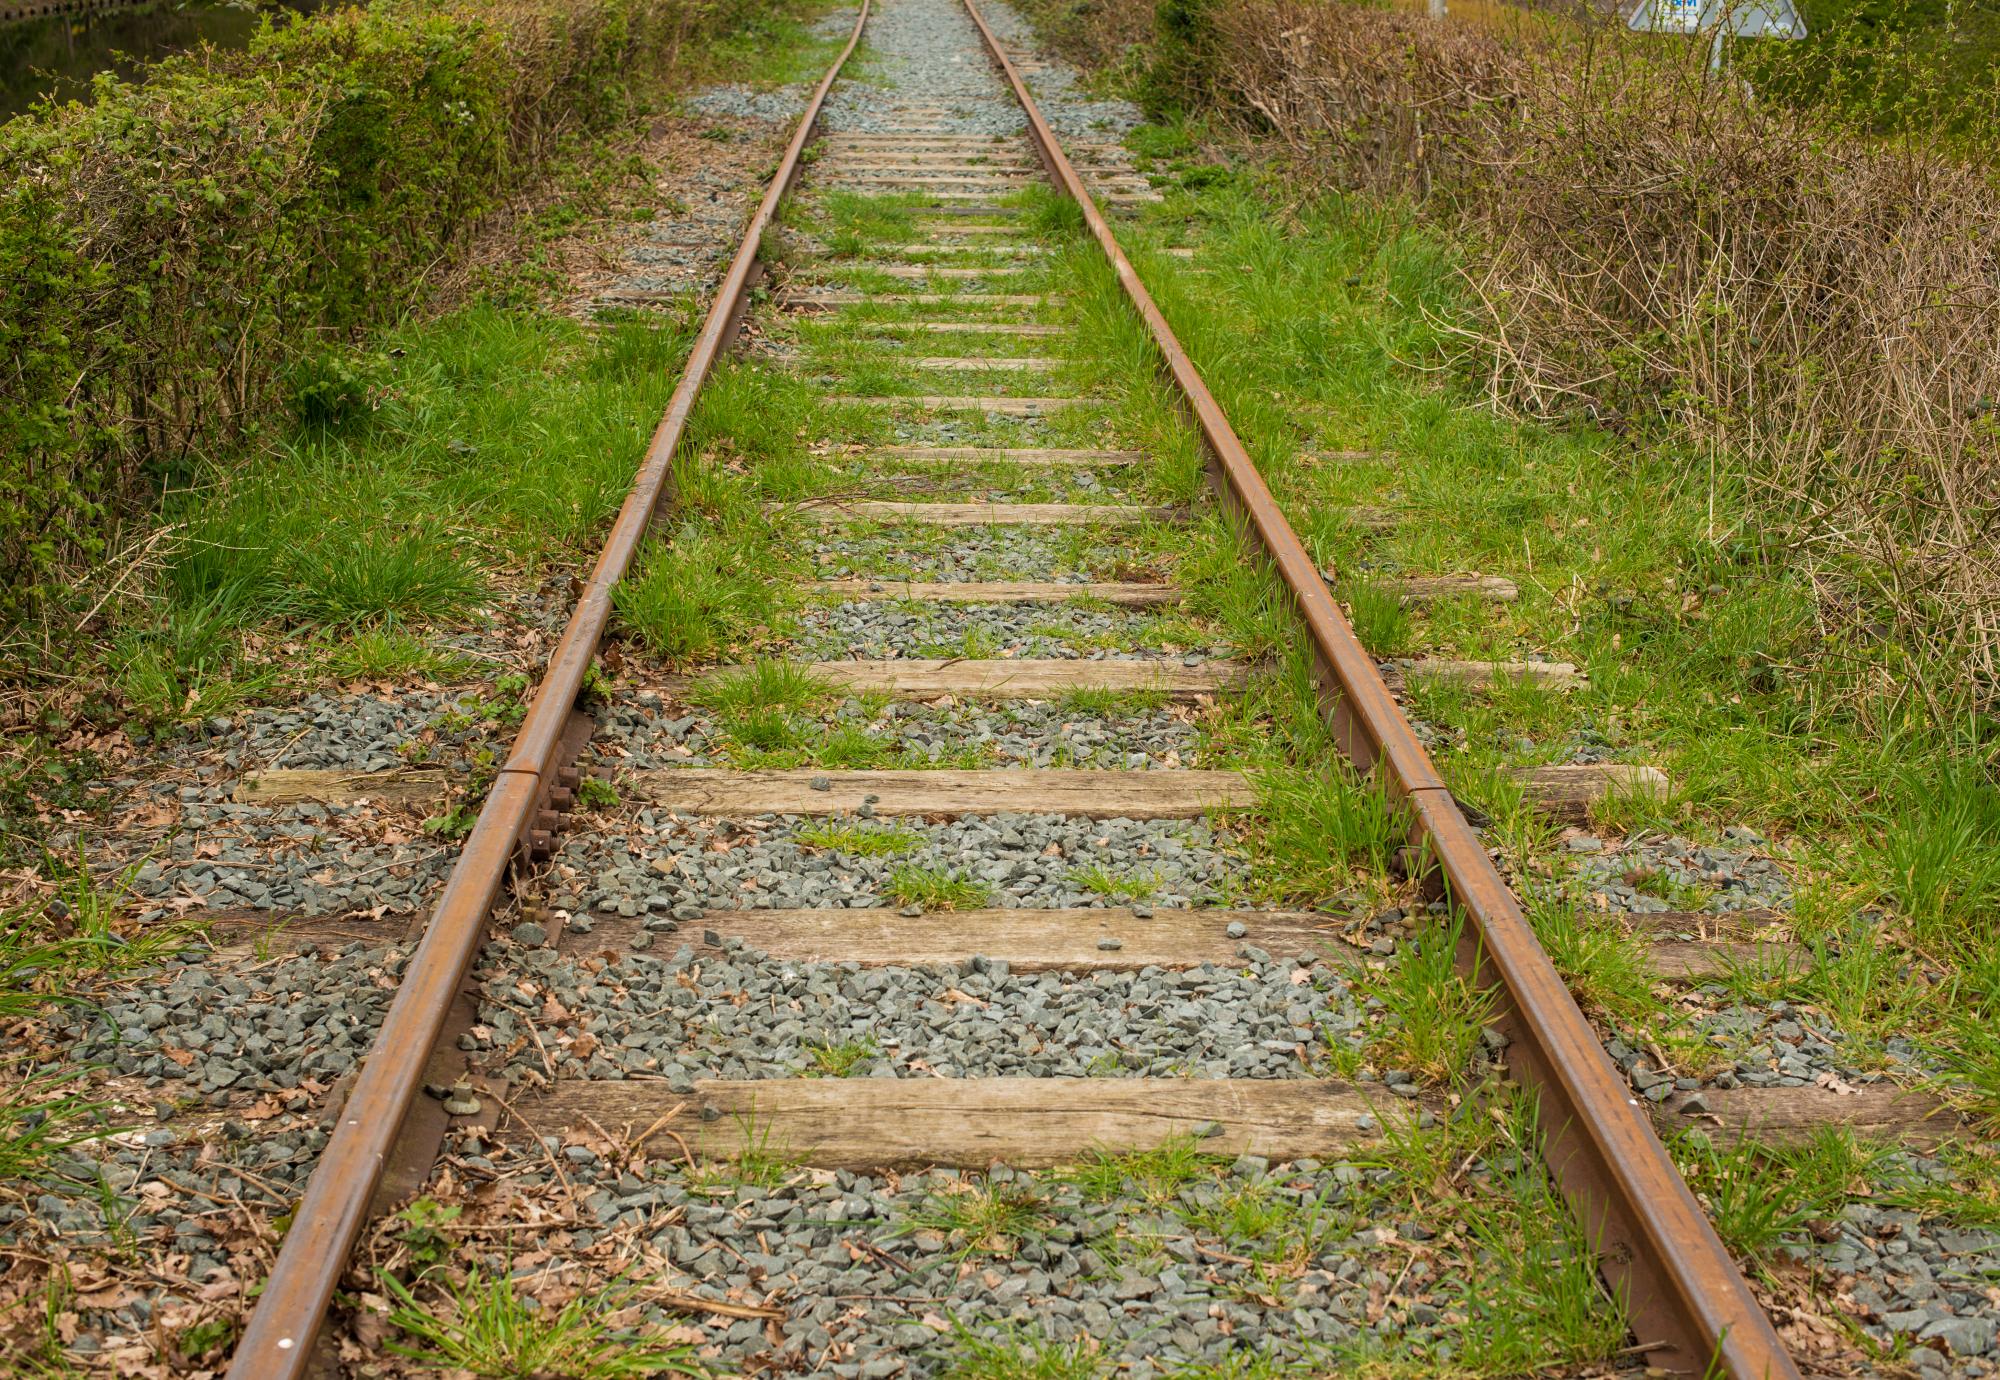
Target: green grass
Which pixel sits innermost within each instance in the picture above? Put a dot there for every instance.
(703, 594)
(1317, 830)
(40, 1116)
(1155, 1176)
(1534, 1299)
(839, 1059)
(394, 653)
(860, 840)
(1605, 967)
(853, 221)
(1276, 1227)
(595, 793)
(764, 685)
(1636, 559)
(981, 1217)
(489, 441)
(777, 47)
(1938, 857)
(1435, 1013)
(1761, 1196)
(1106, 704)
(1379, 616)
(761, 1160)
(54, 948)
(1100, 881)
(1019, 1354)
(40, 1351)
(483, 1325)
(936, 888)
(1971, 1040)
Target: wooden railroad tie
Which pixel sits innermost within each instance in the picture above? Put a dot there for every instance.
(1027, 514)
(924, 272)
(1030, 940)
(985, 514)
(1564, 792)
(1024, 330)
(1040, 1123)
(802, 300)
(1018, 455)
(972, 1123)
(999, 405)
(1414, 589)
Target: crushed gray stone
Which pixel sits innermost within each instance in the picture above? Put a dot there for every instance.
(1649, 873)
(673, 868)
(873, 1281)
(870, 629)
(971, 553)
(642, 730)
(311, 858)
(744, 1015)
(218, 1031)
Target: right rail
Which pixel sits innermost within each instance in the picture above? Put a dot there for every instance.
(1690, 1306)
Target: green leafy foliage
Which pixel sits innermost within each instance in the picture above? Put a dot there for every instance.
(173, 253)
(1182, 73)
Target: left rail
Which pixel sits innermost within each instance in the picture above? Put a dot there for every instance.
(278, 1341)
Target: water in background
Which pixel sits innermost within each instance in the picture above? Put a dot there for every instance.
(59, 54)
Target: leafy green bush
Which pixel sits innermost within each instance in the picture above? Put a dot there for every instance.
(334, 387)
(1181, 76)
(173, 255)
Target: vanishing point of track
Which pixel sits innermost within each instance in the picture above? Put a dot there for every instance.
(1690, 1309)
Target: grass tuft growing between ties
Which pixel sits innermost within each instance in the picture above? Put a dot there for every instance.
(486, 1325)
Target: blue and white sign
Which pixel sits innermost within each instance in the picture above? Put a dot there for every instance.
(1667, 16)
(1741, 18)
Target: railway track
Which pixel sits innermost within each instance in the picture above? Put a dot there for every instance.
(996, 970)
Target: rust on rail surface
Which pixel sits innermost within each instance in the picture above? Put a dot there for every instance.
(1689, 1305)
(279, 1338)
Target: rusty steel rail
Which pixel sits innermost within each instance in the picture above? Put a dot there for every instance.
(278, 1340)
(1690, 1307)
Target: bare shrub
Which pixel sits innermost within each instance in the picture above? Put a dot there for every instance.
(1819, 309)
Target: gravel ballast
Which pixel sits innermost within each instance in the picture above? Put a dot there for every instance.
(999, 552)
(221, 1031)
(876, 629)
(875, 1275)
(744, 1015)
(676, 868)
(643, 730)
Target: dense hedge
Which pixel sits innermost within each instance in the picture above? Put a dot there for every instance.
(173, 256)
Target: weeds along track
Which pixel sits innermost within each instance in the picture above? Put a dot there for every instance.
(1054, 951)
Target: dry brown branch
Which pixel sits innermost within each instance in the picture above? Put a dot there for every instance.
(1818, 310)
